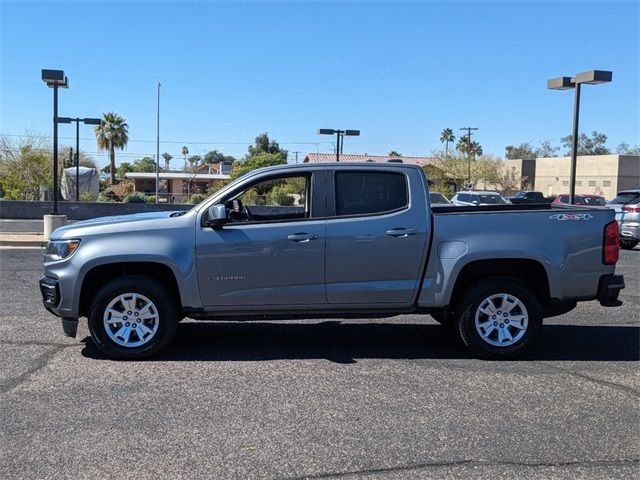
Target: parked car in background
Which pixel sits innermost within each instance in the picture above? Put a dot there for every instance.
(529, 197)
(627, 207)
(582, 199)
(438, 199)
(471, 198)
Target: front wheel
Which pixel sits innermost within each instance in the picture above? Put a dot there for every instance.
(499, 319)
(132, 317)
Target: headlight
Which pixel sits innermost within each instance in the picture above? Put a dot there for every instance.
(59, 249)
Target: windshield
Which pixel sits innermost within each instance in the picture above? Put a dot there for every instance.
(521, 195)
(492, 199)
(628, 197)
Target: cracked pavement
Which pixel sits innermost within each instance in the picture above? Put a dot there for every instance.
(391, 398)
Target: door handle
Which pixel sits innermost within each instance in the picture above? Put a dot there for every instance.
(401, 232)
(302, 237)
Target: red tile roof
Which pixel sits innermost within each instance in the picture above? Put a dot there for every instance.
(331, 157)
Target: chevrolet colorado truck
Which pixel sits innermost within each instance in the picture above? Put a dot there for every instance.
(334, 240)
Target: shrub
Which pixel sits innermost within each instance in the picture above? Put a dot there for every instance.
(281, 195)
(198, 197)
(87, 197)
(150, 198)
(137, 197)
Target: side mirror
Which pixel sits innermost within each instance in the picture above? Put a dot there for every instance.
(476, 202)
(216, 216)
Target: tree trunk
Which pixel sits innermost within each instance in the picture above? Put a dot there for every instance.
(112, 162)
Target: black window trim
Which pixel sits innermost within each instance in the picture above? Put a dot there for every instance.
(311, 176)
(331, 195)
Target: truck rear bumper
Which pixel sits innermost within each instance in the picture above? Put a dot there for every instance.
(609, 289)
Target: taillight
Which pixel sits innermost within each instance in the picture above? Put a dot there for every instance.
(631, 209)
(611, 243)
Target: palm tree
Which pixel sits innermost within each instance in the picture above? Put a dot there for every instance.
(445, 137)
(185, 152)
(463, 145)
(167, 158)
(112, 133)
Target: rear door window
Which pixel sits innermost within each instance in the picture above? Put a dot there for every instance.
(492, 199)
(367, 193)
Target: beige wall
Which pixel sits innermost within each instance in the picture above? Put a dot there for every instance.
(600, 174)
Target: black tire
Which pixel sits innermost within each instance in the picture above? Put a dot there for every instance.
(628, 244)
(477, 296)
(163, 308)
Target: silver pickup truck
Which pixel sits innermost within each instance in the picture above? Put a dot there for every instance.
(336, 240)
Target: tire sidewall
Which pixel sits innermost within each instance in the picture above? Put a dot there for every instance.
(466, 318)
(154, 291)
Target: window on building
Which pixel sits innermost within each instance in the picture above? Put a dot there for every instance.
(592, 183)
(578, 183)
(365, 193)
(565, 183)
(606, 183)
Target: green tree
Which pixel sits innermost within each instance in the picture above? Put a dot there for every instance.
(393, 153)
(624, 149)
(24, 172)
(446, 137)
(112, 134)
(194, 160)
(456, 169)
(123, 169)
(546, 150)
(257, 161)
(214, 156)
(523, 151)
(264, 145)
(587, 145)
(185, 152)
(146, 164)
(167, 160)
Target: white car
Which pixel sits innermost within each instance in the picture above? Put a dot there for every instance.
(472, 198)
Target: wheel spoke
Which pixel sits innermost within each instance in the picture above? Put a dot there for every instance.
(488, 308)
(505, 302)
(144, 330)
(125, 302)
(517, 321)
(115, 316)
(501, 336)
(488, 330)
(507, 334)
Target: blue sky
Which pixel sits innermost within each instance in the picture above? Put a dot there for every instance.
(399, 72)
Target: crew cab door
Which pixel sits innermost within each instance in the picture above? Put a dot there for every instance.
(272, 250)
(377, 233)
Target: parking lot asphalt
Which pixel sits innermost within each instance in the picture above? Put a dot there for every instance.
(395, 398)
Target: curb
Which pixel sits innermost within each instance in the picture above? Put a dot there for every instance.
(23, 243)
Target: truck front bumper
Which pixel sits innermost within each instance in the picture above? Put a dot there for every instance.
(50, 290)
(609, 289)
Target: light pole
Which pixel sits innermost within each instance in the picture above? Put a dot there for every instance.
(158, 149)
(340, 134)
(592, 77)
(55, 79)
(86, 121)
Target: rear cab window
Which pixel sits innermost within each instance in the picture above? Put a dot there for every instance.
(370, 193)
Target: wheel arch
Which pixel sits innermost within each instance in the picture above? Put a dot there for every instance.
(99, 275)
(528, 272)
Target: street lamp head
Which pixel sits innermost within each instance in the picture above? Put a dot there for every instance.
(65, 119)
(594, 77)
(326, 131)
(55, 78)
(92, 121)
(561, 83)
(352, 133)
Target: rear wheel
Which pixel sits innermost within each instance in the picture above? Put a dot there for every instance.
(132, 317)
(628, 244)
(499, 319)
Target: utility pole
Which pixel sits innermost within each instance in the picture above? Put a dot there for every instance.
(158, 149)
(469, 129)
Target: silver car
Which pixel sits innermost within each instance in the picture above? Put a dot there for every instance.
(471, 198)
(627, 207)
